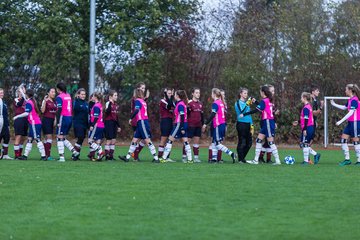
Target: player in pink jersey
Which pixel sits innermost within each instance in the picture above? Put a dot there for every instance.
(352, 130)
(267, 125)
(64, 121)
(112, 124)
(20, 124)
(166, 110)
(218, 120)
(142, 131)
(141, 144)
(195, 121)
(307, 125)
(179, 128)
(97, 126)
(49, 108)
(32, 114)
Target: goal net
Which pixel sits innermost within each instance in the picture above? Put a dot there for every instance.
(327, 114)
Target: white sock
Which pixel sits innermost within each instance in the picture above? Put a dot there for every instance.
(312, 151)
(141, 143)
(49, 141)
(306, 151)
(214, 151)
(107, 147)
(153, 150)
(61, 149)
(188, 151)
(224, 149)
(357, 151)
(41, 148)
(345, 149)
(167, 150)
(68, 145)
(28, 149)
(132, 149)
(112, 147)
(161, 149)
(275, 153)
(96, 147)
(258, 148)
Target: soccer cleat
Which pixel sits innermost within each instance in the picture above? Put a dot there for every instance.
(100, 156)
(317, 158)
(311, 162)
(357, 163)
(23, 157)
(304, 163)
(345, 162)
(261, 161)
(242, 162)
(190, 161)
(170, 160)
(75, 158)
(213, 161)
(50, 158)
(123, 158)
(254, 162)
(7, 157)
(155, 161)
(277, 163)
(110, 158)
(44, 158)
(269, 161)
(61, 159)
(184, 160)
(197, 161)
(233, 156)
(162, 160)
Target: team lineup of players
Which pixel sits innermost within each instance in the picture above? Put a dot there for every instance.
(180, 119)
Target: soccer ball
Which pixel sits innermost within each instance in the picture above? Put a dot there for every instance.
(290, 160)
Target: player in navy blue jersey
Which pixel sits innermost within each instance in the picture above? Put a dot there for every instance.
(112, 125)
(80, 119)
(4, 127)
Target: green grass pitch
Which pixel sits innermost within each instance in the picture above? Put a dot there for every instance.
(116, 200)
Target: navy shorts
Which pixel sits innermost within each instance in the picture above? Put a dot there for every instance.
(96, 133)
(194, 132)
(166, 126)
(310, 134)
(176, 132)
(21, 126)
(35, 131)
(80, 131)
(65, 125)
(110, 129)
(218, 133)
(142, 130)
(268, 127)
(47, 125)
(352, 129)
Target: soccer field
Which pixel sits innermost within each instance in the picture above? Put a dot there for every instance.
(117, 200)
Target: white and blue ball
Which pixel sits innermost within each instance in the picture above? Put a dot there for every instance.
(290, 160)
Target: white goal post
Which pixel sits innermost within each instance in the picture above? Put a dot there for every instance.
(326, 120)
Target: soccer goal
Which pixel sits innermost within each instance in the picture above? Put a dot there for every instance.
(327, 100)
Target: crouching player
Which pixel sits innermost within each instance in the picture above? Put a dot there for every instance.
(307, 129)
(32, 114)
(142, 131)
(97, 126)
(218, 120)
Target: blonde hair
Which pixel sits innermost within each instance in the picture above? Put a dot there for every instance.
(306, 95)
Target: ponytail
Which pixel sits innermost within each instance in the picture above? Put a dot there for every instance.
(266, 90)
(355, 89)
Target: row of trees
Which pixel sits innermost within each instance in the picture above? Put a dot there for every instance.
(288, 43)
